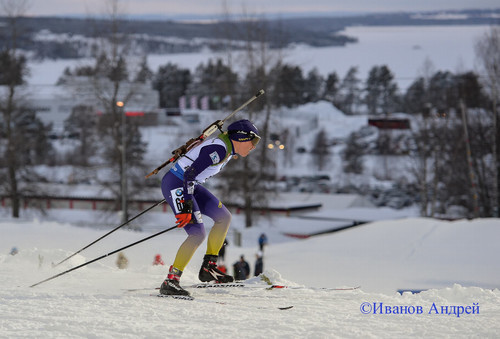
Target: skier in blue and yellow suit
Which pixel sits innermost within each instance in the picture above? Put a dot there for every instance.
(189, 200)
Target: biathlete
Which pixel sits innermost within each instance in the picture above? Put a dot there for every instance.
(182, 189)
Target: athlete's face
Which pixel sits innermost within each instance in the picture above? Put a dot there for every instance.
(243, 148)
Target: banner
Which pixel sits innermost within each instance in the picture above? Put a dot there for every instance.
(194, 102)
(204, 103)
(182, 103)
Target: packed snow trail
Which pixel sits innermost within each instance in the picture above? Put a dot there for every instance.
(93, 302)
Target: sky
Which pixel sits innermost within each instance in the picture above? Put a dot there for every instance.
(214, 7)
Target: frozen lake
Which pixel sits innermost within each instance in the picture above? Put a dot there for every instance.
(403, 49)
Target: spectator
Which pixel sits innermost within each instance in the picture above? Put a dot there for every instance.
(158, 260)
(222, 252)
(262, 242)
(223, 268)
(259, 263)
(241, 269)
(122, 261)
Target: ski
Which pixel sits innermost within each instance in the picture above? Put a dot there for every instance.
(322, 288)
(215, 286)
(190, 298)
(269, 287)
(233, 285)
(238, 285)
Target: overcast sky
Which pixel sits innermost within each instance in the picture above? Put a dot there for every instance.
(206, 7)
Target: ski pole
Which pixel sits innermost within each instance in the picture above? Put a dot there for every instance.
(207, 132)
(105, 255)
(105, 235)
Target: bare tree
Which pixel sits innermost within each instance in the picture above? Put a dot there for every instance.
(353, 154)
(82, 124)
(251, 176)
(320, 150)
(114, 82)
(13, 71)
(487, 50)
(420, 155)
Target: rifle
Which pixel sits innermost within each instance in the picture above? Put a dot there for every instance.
(177, 153)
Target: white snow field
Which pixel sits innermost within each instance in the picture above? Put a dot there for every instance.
(456, 261)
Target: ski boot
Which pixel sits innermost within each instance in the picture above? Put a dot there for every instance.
(171, 285)
(210, 272)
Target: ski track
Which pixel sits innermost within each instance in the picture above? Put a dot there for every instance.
(93, 302)
(84, 308)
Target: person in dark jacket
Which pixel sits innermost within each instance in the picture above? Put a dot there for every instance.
(241, 269)
(259, 264)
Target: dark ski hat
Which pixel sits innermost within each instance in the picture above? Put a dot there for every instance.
(243, 130)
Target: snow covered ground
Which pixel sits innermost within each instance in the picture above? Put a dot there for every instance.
(456, 262)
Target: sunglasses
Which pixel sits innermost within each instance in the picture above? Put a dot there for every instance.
(251, 136)
(255, 140)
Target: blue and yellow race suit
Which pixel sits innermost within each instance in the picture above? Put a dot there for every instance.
(183, 182)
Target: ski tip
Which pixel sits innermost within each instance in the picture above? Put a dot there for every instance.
(285, 308)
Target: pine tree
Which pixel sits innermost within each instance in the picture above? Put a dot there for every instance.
(349, 96)
(289, 85)
(331, 88)
(353, 155)
(415, 99)
(313, 86)
(172, 83)
(144, 74)
(213, 79)
(381, 91)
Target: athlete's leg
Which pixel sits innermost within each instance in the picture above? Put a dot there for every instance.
(213, 208)
(196, 235)
(172, 191)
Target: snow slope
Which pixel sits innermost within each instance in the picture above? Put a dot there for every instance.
(457, 260)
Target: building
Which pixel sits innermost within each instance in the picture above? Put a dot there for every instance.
(55, 103)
